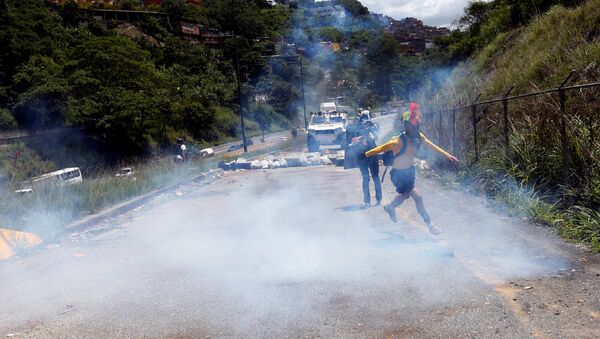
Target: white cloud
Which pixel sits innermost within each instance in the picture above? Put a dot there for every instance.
(432, 12)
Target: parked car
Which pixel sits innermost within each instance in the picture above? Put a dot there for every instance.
(207, 153)
(234, 148)
(124, 172)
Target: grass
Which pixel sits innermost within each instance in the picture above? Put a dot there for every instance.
(546, 51)
(46, 211)
(520, 199)
(529, 181)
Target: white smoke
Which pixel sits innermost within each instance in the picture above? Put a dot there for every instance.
(273, 248)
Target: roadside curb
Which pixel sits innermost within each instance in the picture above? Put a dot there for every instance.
(133, 203)
(124, 207)
(90, 221)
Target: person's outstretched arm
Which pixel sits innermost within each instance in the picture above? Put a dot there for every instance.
(388, 146)
(438, 149)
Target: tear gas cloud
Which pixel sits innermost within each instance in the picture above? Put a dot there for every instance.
(276, 246)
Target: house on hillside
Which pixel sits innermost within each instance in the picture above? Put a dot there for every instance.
(261, 97)
(328, 45)
(416, 46)
(414, 36)
(193, 31)
(189, 28)
(328, 11)
(277, 43)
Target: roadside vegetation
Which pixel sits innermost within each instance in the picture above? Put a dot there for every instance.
(127, 91)
(46, 210)
(133, 95)
(532, 54)
(134, 90)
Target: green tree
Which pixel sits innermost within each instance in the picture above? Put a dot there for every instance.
(43, 92)
(177, 8)
(113, 61)
(283, 97)
(330, 34)
(26, 28)
(354, 7)
(483, 21)
(128, 5)
(383, 64)
(7, 121)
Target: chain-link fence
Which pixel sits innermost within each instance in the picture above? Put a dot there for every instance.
(561, 123)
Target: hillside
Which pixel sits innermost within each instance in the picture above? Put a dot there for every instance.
(134, 81)
(532, 57)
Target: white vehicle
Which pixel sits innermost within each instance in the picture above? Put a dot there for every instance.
(207, 153)
(67, 176)
(124, 172)
(326, 129)
(327, 107)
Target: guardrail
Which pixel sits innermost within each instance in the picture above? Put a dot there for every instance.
(9, 137)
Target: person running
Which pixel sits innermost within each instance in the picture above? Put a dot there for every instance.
(404, 149)
(365, 141)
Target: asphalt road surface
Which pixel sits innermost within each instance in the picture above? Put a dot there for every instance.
(270, 138)
(291, 253)
(281, 136)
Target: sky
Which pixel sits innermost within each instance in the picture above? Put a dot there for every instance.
(432, 12)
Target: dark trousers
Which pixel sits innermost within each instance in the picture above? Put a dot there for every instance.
(365, 165)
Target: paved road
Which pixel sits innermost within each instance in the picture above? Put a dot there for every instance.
(290, 253)
(271, 138)
(385, 123)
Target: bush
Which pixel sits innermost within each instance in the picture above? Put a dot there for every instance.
(7, 121)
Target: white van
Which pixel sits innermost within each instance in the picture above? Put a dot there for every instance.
(66, 176)
(328, 107)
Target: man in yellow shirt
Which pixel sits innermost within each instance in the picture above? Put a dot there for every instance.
(404, 149)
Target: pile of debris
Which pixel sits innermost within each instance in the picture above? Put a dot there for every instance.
(12, 242)
(272, 162)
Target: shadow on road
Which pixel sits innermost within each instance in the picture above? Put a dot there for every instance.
(351, 208)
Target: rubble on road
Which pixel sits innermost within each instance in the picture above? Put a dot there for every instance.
(283, 160)
(11, 242)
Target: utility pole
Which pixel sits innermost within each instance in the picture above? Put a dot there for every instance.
(237, 74)
(301, 52)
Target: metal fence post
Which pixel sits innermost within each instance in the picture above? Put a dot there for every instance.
(454, 129)
(563, 128)
(505, 109)
(440, 128)
(474, 111)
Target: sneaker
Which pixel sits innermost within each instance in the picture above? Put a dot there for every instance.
(391, 211)
(433, 230)
(378, 203)
(367, 204)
